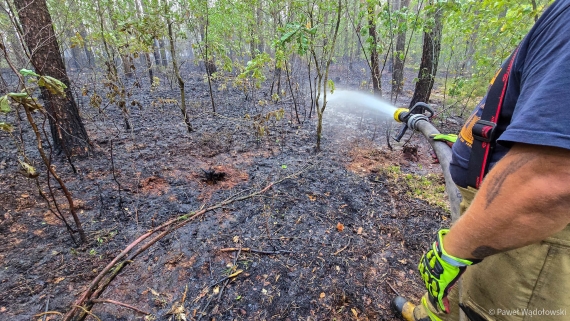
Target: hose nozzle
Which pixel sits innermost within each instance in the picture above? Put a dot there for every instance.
(400, 114)
(410, 117)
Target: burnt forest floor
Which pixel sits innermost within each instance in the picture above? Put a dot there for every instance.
(325, 244)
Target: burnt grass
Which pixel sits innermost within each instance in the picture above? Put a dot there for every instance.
(327, 243)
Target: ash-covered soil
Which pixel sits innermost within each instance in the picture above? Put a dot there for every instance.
(328, 243)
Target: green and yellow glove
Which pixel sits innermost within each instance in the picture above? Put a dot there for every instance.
(449, 139)
(440, 271)
(452, 138)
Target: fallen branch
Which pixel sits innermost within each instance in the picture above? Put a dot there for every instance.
(121, 304)
(96, 287)
(247, 249)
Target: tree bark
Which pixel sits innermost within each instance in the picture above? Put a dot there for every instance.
(178, 77)
(164, 60)
(398, 71)
(76, 61)
(259, 18)
(430, 58)
(68, 133)
(86, 48)
(209, 63)
(140, 15)
(123, 50)
(374, 60)
(156, 52)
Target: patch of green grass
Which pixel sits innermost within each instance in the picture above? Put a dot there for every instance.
(430, 187)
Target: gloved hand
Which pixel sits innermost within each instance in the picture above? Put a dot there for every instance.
(440, 271)
(447, 138)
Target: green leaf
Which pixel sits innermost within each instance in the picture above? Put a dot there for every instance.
(331, 85)
(312, 31)
(4, 104)
(27, 72)
(303, 44)
(29, 169)
(6, 127)
(287, 37)
(53, 85)
(284, 166)
(24, 99)
(18, 95)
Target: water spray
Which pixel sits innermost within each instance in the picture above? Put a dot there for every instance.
(416, 118)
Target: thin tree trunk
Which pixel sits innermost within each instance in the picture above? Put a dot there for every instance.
(430, 58)
(140, 15)
(470, 44)
(178, 77)
(292, 93)
(210, 66)
(86, 49)
(259, 16)
(162, 46)
(156, 52)
(68, 133)
(398, 71)
(355, 40)
(276, 81)
(17, 42)
(125, 58)
(323, 76)
(76, 61)
(112, 74)
(149, 67)
(374, 60)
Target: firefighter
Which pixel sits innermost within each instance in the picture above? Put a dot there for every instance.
(511, 246)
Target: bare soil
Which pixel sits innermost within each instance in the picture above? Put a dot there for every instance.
(326, 244)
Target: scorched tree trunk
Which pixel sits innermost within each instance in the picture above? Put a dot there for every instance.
(430, 58)
(68, 132)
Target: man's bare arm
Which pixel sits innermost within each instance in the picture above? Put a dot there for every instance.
(524, 199)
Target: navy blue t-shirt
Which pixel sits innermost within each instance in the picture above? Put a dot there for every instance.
(536, 107)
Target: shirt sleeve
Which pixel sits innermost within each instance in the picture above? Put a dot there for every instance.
(542, 111)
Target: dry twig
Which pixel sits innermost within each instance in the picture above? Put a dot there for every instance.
(121, 304)
(247, 249)
(391, 287)
(88, 312)
(46, 313)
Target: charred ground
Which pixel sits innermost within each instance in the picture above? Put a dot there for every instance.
(326, 244)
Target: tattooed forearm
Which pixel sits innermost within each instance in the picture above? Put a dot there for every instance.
(483, 251)
(499, 178)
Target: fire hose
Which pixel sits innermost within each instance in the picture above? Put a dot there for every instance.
(418, 118)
